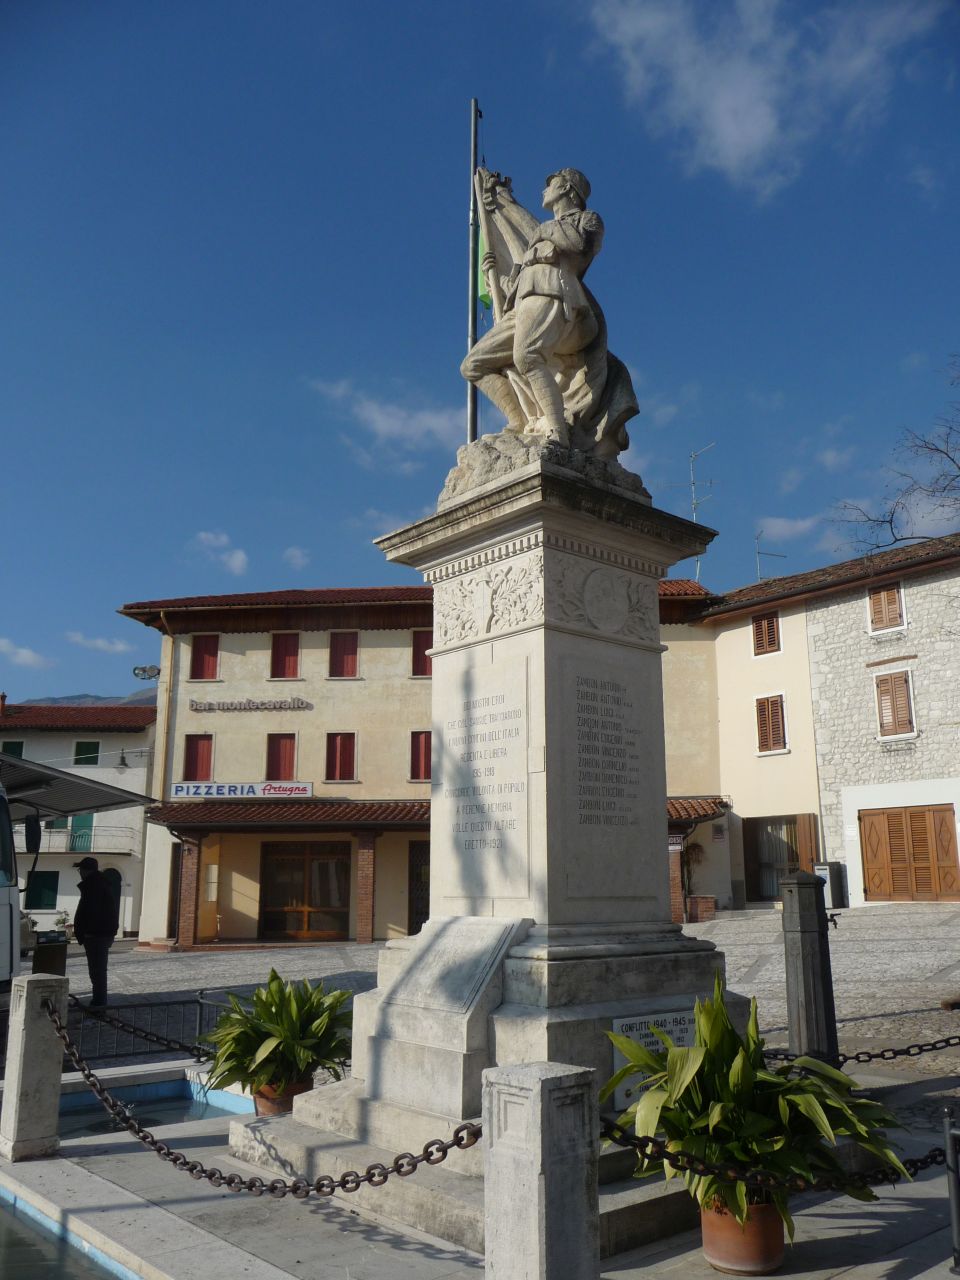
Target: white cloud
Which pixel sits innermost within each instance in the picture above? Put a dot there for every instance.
(22, 657)
(768, 401)
(391, 426)
(745, 86)
(913, 361)
(791, 479)
(296, 557)
(783, 529)
(218, 547)
(927, 181)
(99, 644)
(836, 459)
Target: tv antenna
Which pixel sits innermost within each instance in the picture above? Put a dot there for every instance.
(695, 502)
(774, 554)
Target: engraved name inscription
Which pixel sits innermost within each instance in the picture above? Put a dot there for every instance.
(608, 753)
(487, 782)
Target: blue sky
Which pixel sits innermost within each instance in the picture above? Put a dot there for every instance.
(232, 311)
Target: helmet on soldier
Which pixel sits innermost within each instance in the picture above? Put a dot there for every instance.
(576, 180)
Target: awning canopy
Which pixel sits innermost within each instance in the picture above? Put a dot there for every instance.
(37, 788)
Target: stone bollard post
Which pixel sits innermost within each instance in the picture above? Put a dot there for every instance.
(541, 1214)
(31, 1086)
(811, 1014)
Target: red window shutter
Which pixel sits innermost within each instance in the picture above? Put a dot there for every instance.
(198, 757)
(204, 656)
(281, 754)
(420, 755)
(285, 655)
(343, 653)
(766, 633)
(422, 662)
(341, 757)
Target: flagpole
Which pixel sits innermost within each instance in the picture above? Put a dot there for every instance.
(475, 114)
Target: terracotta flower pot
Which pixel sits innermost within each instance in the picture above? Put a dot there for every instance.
(268, 1102)
(755, 1249)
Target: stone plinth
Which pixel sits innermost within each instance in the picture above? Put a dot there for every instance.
(31, 1087)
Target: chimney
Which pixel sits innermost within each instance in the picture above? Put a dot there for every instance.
(3, 703)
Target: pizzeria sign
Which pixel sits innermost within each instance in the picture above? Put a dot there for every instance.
(240, 790)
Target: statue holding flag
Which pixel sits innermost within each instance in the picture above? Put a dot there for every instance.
(545, 363)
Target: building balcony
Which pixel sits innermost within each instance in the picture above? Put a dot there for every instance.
(103, 839)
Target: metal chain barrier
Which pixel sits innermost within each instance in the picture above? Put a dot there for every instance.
(881, 1055)
(375, 1175)
(685, 1162)
(196, 1051)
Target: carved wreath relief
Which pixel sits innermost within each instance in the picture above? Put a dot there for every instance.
(496, 599)
(604, 599)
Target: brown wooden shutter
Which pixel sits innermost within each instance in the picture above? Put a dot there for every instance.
(806, 840)
(422, 662)
(766, 633)
(341, 757)
(885, 608)
(420, 755)
(893, 704)
(921, 853)
(900, 885)
(945, 845)
(770, 724)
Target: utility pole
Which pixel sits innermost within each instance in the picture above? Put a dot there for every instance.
(475, 114)
(695, 502)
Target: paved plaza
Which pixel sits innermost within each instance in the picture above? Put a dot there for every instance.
(892, 967)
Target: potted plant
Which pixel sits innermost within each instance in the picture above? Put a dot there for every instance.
(719, 1101)
(274, 1040)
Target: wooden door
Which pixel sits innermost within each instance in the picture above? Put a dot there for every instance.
(909, 855)
(305, 890)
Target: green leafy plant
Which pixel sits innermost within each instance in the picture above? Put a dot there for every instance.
(720, 1101)
(280, 1035)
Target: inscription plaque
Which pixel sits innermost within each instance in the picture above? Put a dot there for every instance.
(677, 1023)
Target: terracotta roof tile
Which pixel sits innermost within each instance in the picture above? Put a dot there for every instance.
(102, 718)
(832, 576)
(698, 808)
(291, 813)
(684, 587)
(259, 599)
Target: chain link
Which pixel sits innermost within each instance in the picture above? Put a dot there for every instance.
(375, 1175)
(881, 1055)
(196, 1051)
(685, 1162)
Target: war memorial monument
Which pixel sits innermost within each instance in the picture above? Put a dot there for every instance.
(549, 897)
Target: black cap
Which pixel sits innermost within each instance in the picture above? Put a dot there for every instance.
(88, 864)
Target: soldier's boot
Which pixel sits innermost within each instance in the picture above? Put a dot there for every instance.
(497, 389)
(550, 399)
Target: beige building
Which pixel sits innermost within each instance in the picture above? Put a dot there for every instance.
(292, 767)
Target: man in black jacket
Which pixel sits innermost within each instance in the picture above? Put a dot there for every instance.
(95, 925)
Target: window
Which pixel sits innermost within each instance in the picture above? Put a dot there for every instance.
(341, 757)
(771, 734)
(894, 704)
(422, 662)
(81, 833)
(281, 757)
(285, 656)
(55, 824)
(198, 757)
(12, 749)
(204, 657)
(86, 753)
(420, 755)
(766, 633)
(343, 653)
(886, 608)
(42, 889)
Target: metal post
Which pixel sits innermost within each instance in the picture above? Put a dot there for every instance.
(950, 1136)
(472, 276)
(810, 1008)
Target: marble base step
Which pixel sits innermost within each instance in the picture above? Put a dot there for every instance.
(448, 1204)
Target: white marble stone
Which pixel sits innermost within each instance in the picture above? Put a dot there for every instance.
(31, 1094)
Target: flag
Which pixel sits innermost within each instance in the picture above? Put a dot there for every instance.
(483, 290)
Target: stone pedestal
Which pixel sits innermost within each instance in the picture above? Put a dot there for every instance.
(549, 873)
(31, 1087)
